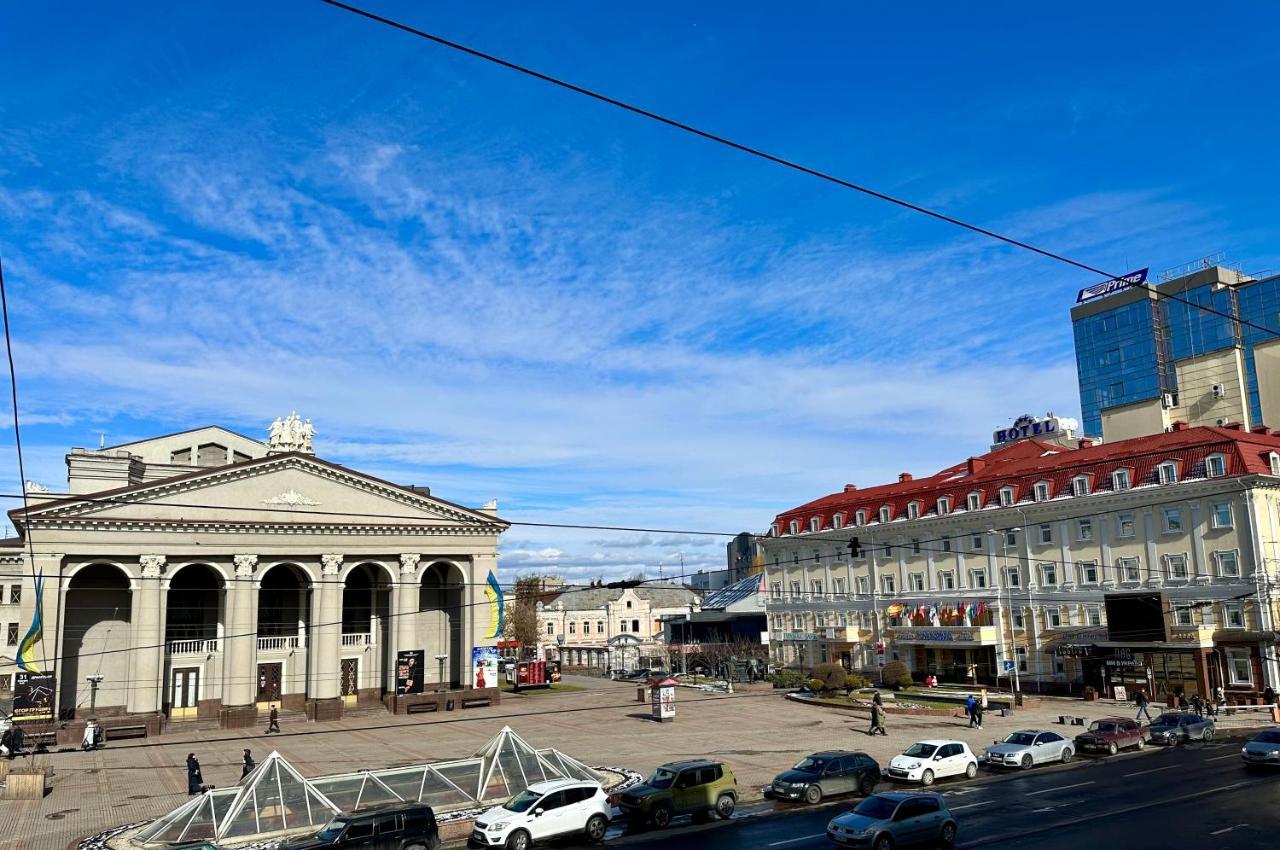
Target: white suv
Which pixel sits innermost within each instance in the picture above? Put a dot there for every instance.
(542, 811)
(925, 761)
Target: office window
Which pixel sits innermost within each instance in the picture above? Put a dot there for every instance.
(1093, 615)
(885, 513)
(978, 578)
(1168, 472)
(1049, 574)
(1006, 493)
(1052, 618)
(1228, 563)
(815, 586)
(1088, 572)
(913, 510)
(947, 580)
(1240, 666)
(1080, 485)
(1046, 533)
(1130, 570)
(944, 506)
(844, 618)
(1222, 515)
(814, 523)
(1176, 567)
(838, 586)
(888, 584)
(1182, 616)
(1215, 466)
(1019, 620)
(1020, 653)
(1233, 615)
(917, 581)
(796, 588)
(1084, 530)
(775, 590)
(820, 620)
(1120, 479)
(15, 594)
(1042, 491)
(837, 521)
(975, 542)
(573, 628)
(915, 545)
(863, 585)
(11, 639)
(1012, 577)
(973, 501)
(599, 627)
(1010, 539)
(1172, 520)
(1125, 526)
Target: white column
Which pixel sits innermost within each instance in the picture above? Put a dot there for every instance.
(404, 603)
(240, 649)
(324, 650)
(146, 638)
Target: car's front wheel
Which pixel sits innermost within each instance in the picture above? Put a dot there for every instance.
(883, 842)
(1142, 743)
(1112, 749)
(971, 770)
(596, 826)
(926, 778)
(662, 816)
(867, 786)
(724, 806)
(947, 836)
(1067, 755)
(1026, 762)
(519, 840)
(813, 795)
(1207, 735)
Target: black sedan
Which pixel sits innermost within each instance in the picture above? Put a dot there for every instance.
(1178, 727)
(826, 774)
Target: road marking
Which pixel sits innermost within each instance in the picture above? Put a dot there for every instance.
(1045, 809)
(1153, 770)
(971, 805)
(1220, 758)
(1059, 788)
(1228, 829)
(957, 792)
(794, 840)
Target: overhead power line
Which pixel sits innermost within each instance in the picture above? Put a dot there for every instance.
(777, 160)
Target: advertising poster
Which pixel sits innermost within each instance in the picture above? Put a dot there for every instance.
(484, 667)
(33, 696)
(409, 671)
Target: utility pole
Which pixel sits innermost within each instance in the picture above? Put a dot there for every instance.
(94, 679)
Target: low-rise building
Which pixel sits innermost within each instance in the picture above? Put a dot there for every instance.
(1006, 565)
(598, 629)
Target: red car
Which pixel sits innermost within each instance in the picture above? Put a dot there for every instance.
(1110, 735)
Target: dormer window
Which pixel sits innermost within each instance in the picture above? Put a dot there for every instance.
(1274, 460)
(1215, 466)
(815, 523)
(1006, 497)
(1120, 480)
(913, 510)
(794, 526)
(886, 513)
(860, 517)
(837, 521)
(1080, 485)
(973, 501)
(1168, 472)
(775, 530)
(944, 506)
(1042, 491)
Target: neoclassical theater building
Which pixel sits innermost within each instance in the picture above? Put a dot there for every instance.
(206, 575)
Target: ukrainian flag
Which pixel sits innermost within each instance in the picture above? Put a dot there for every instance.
(493, 591)
(26, 658)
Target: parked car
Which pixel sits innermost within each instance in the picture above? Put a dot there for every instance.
(895, 819)
(825, 774)
(545, 810)
(396, 826)
(1111, 735)
(681, 787)
(925, 761)
(1178, 727)
(1262, 749)
(1030, 747)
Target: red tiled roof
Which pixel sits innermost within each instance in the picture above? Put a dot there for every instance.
(1021, 465)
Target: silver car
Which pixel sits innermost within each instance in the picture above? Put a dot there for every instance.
(1262, 749)
(1030, 747)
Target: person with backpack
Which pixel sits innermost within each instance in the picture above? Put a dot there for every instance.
(1140, 700)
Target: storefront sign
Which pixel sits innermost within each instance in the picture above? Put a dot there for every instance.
(937, 635)
(1027, 426)
(409, 675)
(1111, 287)
(799, 636)
(33, 696)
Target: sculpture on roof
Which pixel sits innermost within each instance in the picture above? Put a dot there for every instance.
(290, 434)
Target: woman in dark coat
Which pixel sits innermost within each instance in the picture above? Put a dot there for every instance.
(195, 782)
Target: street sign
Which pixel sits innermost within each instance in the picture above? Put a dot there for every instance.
(1006, 666)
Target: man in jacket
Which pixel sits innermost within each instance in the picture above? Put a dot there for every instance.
(1140, 699)
(248, 764)
(195, 782)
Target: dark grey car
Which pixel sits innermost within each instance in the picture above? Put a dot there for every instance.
(895, 819)
(1178, 727)
(826, 774)
(1262, 749)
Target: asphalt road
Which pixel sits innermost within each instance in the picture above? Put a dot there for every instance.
(1196, 795)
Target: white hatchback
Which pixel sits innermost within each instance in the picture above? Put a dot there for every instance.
(545, 810)
(925, 761)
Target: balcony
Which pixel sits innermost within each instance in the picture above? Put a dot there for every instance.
(357, 639)
(282, 643)
(199, 646)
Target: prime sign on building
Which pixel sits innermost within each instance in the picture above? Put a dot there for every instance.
(1025, 427)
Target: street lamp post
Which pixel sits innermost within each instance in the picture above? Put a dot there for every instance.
(440, 659)
(94, 679)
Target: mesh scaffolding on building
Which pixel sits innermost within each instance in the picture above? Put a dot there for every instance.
(276, 798)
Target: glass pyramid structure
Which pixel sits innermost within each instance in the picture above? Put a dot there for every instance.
(276, 798)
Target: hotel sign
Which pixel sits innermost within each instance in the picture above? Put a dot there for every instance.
(1111, 287)
(1025, 427)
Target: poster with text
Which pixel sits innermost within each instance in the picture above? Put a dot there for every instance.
(484, 667)
(409, 672)
(33, 696)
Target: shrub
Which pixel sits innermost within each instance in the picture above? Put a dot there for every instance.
(787, 679)
(815, 685)
(830, 677)
(896, 675)
(856, 681)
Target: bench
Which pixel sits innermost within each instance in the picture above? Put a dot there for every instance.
(476, 702)
(110, 733)
(419, 707)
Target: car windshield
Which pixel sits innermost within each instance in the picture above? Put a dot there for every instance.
(1166, 720)
(920, 751)
(332, 830)
(523, 801)
(661, 778)
(1102, 726)
(1272, 737)
(876, 807)
(809, 764)
(1024, 739)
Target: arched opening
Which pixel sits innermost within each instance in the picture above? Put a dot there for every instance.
(284, 613)
(192, 635)
(95, 641)
(366, 632)
(442, 617)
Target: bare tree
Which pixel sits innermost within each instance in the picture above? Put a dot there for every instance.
(520, 622)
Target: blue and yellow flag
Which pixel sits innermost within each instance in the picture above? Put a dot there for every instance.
(26, 658)
(493, 591)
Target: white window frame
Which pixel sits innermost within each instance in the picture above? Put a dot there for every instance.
(1012, 577)
(794, 526)
(1006, 496)
(573, 627)
(1168, 472)
(888, 584)
(775, 589)
(815, 523)
(1182, 616)
(1084, 530)
(1232, 611)
(1130, 570)
(551, 628)
(886, 513)
(839, 587)
(1120, 479)
(1093, 615)
(1121, 522)
(944, 505)
(913, 509)
(863, 583)
(1237, 655)
(1221, 558)
(978, 579)
(815, 586)
(975, 542)
(1273, 460)
(916, 582)
(797, 588)
(1085, 568)
(1041, 491)
(1010, 538)
(1020, 655)
(1214, 512)
(1052, 617)
(837, 520)
(973, 501)
(915, 545)
(946, 580)
(1217, 460)
(1080, 485)
(1165, 515)
(1048, 569)
(1020, 622)
(1172, 558)
(1046, 533)
(860, 517)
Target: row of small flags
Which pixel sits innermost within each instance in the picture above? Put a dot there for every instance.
(937, 609)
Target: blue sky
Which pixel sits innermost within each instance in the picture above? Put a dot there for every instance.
(467, 279)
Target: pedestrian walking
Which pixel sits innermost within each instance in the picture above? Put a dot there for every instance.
(195, 782)
(877, 720)
(977, 713)
(273, 721)
(1182, 701)
(1197, 705)
(248, 764)
(877, 699)
(1140, 699)
(970, 706)
(1269, 695)
(90, 739)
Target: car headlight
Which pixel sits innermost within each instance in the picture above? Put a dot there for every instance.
(495, 827)
(915, 765)
(1274, 753)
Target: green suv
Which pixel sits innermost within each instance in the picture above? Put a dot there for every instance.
(680, 788)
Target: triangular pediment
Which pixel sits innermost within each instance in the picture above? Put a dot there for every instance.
(290, 489)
